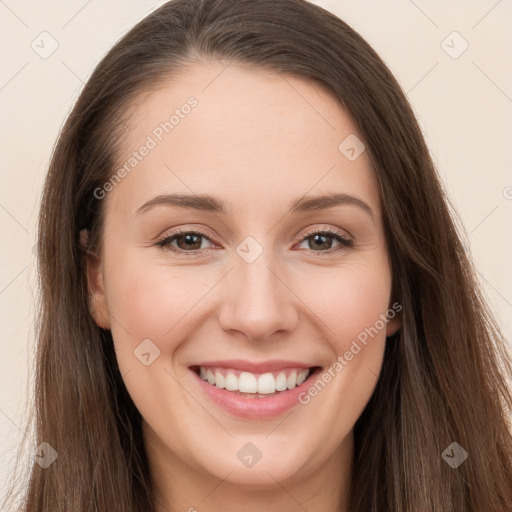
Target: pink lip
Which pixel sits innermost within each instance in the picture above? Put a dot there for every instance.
(255, 408)
(247, 366)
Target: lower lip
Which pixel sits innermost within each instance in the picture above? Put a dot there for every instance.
(255, 408)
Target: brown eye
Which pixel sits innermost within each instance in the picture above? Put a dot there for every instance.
(191, 241)
(186, 241)
(322, 241)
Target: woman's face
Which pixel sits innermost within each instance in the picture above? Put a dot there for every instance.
(258, 294)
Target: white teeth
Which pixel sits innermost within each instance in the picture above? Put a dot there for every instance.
(266, 384)
(291, 380)
(301, 377)
(281, 382)
(210, 377)
(219, 380)
(247, 382)
(231, 382)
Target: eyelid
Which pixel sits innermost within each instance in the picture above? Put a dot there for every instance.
(329, 229)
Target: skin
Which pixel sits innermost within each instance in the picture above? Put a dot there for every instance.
(257, 140)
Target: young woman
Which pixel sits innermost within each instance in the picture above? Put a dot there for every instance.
(254, 296)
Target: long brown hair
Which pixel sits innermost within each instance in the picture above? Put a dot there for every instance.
(444, 373)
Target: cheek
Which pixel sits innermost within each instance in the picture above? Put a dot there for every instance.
(353, 308)
(347, 301)
(150, 295)
(157, 301)
(148, 301)
(362, 307)
(351, 304)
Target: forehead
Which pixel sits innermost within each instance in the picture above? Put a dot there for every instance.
(240, 133)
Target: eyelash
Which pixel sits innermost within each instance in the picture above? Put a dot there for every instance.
(345, 242)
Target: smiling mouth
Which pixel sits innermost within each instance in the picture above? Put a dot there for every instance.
(255, 385)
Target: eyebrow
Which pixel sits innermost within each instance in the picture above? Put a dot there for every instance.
(215, 205)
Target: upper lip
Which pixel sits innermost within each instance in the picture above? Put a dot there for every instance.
(253, 367)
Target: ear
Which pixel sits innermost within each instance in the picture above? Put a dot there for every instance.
(95, 281)
(393, 325)
(394, 319)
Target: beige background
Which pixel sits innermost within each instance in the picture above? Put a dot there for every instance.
(464, 105)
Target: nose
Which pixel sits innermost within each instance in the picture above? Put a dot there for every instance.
(258, 302)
